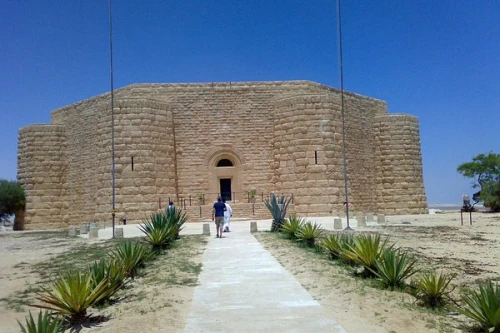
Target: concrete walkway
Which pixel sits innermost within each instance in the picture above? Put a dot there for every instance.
(244, 289)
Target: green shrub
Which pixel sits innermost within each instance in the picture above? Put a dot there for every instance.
(484, 307)
(46, 323)
(335, 243)
(159, 230)
(12, 198)
(132, 256)
(109, 271)
(72, 294)
(176, 218)
(277, 207)
(365, 251)
(292, 225)
(393, 267)
(308, 233)
(431, 289)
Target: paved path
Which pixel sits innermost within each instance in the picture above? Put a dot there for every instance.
(244, 289)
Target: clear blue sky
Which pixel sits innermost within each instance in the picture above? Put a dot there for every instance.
(438, 60)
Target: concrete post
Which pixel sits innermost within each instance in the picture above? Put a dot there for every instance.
(72, 231)
(118, 232)
(380, 218)
(94, 233)
(361, 220)
(369, 217)
(337, 223)
(83, 229)
(253, 227)
(206, 229)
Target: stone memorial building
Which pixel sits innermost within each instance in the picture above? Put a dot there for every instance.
(184, 141)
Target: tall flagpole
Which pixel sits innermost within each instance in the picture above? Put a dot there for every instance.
(113, 212)
(341, 65)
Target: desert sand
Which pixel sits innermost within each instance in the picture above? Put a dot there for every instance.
(159, 299)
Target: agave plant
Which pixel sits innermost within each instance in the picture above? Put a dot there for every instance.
(484, 307)
(393, 267)
(46, 323)
(109, 271)
(132, 256)
(177, 218)
(365, 251)
(160, 230)
(431, 289)
(72, 294)
(292, 225)
(277, 207)
(309, 233)
(335, 243)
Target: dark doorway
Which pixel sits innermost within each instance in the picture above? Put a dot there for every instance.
(225, 189)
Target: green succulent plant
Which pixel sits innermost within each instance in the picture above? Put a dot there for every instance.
(309, 232)
(159, 231)
(394, 266)
(334, 244)
(110, 271)
(277, 207)
(365, 251)
(484, 306)
(431, 288)
(132, 256)
(72, 294)
(46, 323)
(292, 225)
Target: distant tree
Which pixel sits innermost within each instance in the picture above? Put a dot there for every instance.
(12, 198)
(485, 169)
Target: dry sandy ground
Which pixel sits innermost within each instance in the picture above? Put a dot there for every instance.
(438, 241)
(159, 300)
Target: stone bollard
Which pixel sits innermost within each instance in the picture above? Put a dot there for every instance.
(369, 217)
(337, 223)
(361, 220)
(118, 232)
(94, 233)
(72, 231)
(83, 229)
(253, 227)
(380, 218)
(206, 229)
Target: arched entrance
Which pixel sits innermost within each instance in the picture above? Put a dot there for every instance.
(225, 188)
(225, 175)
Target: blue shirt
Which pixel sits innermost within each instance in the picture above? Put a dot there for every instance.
(219, 207)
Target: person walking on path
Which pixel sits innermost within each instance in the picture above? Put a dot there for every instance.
(227, 215)
(218, 216)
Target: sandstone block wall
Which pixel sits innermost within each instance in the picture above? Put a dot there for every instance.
(144, 158)
(282, 137)
(308, 153)
(360, 112)
(42, 167)
(398, 167)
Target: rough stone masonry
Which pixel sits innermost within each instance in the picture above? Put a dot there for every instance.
(181, 141)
